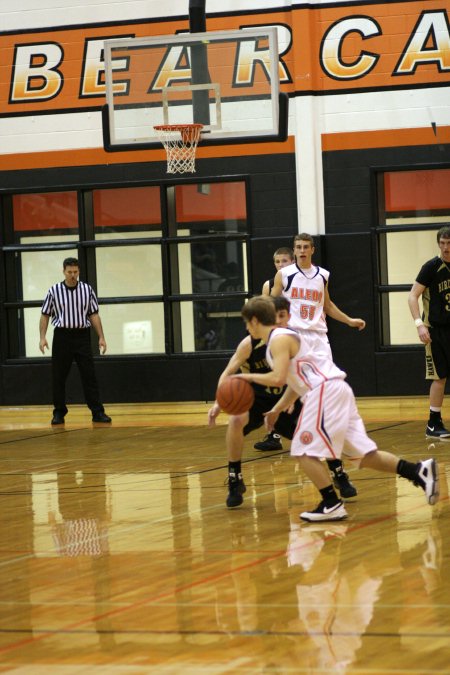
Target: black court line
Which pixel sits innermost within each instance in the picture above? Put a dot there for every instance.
(390, 426)
(181, 474)
(237, 633)
(55, 432)
(43, 435)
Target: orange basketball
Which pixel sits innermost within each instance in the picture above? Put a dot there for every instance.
(235, 396)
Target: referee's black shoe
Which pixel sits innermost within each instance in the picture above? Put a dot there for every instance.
(57, 419)
(101, 418)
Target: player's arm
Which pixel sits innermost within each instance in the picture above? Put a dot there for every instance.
(413, 302)
(277, 287)
(266, 288)
(334, 312)
(283, 348)
(240, 356)
(284, 403)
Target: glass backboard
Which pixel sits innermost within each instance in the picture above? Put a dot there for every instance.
(226, 80)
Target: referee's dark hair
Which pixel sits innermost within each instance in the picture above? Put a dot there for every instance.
(70, 262)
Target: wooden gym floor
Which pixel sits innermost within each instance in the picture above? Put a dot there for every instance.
(118, 555)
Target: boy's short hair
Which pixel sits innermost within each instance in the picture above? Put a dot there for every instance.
(262, 308)
(281, 303)
(70, 262)
(284, 250)
(443, 233)
(304, 237)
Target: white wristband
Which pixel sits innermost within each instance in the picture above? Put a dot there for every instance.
(418, 322)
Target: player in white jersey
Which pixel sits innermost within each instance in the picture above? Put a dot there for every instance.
(329, 424)
(306, 287)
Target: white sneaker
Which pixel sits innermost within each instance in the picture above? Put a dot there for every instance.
(428, 479)
(324, 512)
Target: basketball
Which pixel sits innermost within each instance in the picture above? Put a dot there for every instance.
(235, 396)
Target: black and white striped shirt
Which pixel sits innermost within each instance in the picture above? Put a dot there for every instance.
(70, 307)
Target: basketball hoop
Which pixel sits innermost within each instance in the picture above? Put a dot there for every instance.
(180, 142)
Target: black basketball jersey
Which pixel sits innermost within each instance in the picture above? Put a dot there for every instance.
(257, 363)
(435, 275)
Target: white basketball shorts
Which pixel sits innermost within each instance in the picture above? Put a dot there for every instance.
(330, 425)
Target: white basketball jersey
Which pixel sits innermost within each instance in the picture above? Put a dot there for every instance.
(305, 290)
(308, 369)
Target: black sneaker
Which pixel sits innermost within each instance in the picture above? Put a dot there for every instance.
(324, 512)
(57, 419)
(101, 418)
(428, 480)
(270, 442)
(437, 430)
(342, 482)
(236, 488)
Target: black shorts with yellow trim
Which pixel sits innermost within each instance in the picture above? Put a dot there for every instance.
(437, 353)
(286, 423)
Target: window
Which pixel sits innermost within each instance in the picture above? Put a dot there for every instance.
(126, 213)
(209, 251)
(168, 263)
(46, 216)
(413, 205)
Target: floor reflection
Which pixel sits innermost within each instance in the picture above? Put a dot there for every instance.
(117, 548)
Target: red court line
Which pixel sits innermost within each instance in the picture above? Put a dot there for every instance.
(180, 589)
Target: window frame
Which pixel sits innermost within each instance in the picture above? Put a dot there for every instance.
(379, 234)
(86, 246)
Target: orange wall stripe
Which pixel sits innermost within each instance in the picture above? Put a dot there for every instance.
(330, 142)
(93, 156)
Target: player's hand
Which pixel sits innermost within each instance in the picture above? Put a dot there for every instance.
(43, 345)
(424, 335)
(360, 324)
(270, 419)
(243, 376)
(213, 413)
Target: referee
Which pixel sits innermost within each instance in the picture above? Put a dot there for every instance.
(73, 308)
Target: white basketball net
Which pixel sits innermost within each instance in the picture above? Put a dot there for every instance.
(180, 142)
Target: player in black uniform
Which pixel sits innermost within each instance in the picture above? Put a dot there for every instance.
(250, 357)
(433, 284)
(281, 258)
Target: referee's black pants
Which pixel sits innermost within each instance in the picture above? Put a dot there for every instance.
(73, 345)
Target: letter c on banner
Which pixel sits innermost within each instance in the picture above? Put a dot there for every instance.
(331, 49)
